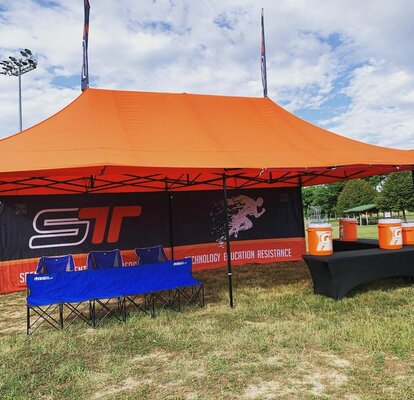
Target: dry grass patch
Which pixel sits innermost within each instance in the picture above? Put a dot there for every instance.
(12, 313)
(305, 375)
(127, 385)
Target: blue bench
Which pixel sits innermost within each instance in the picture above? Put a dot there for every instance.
(48, 290)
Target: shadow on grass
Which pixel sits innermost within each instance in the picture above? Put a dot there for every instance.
(380, 285)
(262, 276)
(252, 276)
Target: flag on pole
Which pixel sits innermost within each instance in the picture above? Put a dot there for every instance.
(263, 60)
(85, 71)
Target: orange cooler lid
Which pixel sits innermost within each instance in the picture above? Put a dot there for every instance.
(315, 225)
(386, 221)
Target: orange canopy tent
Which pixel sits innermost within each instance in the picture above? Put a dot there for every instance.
(114, 141)
(117, 141)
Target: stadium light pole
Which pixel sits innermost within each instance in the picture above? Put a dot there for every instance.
(18, 67)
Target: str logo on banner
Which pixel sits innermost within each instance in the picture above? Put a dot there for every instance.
(59, 227)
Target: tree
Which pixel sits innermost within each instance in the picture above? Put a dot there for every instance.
(327, 196)
(397, 193)
(324, 196)
(376, 181)
(308, 197)
(355, 193)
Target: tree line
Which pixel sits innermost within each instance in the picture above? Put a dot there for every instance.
(393, 192)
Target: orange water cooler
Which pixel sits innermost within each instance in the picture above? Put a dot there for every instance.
(320, 239)
(348, 229)
(390, 233)
(408, 232)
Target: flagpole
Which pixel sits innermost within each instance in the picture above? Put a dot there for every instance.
(85, 67)
(263, 59)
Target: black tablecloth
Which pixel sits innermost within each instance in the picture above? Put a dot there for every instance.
(337, 274)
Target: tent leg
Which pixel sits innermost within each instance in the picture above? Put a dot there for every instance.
(170, 223)
(226, 226)
(301, 208)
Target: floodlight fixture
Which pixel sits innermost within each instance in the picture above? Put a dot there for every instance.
(18, 67)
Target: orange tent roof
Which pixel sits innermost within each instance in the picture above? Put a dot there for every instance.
(117, 140)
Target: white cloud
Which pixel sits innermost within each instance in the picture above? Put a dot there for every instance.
(316, 53)
(381, 110)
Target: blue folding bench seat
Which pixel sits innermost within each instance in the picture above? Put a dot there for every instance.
(146, 303)
(54, 314)
(104, 259)
(87, 286)
(189, 289)
(50, 265)
(151, 255)
(98, 260)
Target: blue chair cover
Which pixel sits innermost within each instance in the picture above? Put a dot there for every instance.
(50, 265)
(151, 255)
(182, 275)
(109, 283)
(104, 259)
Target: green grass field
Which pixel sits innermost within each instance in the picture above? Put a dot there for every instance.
(364, 231)
(280, 342)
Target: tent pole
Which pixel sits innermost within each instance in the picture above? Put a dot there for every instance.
(170, 222)
(301, 206)
(226, 226)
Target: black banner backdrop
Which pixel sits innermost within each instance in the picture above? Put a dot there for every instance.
(35, 226)
(38, 226)
(254, 214)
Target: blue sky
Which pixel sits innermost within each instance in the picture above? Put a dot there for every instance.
(345, 65)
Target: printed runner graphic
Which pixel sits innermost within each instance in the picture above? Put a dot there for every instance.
(239, 209)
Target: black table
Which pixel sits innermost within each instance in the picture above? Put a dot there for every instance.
(336, 275)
